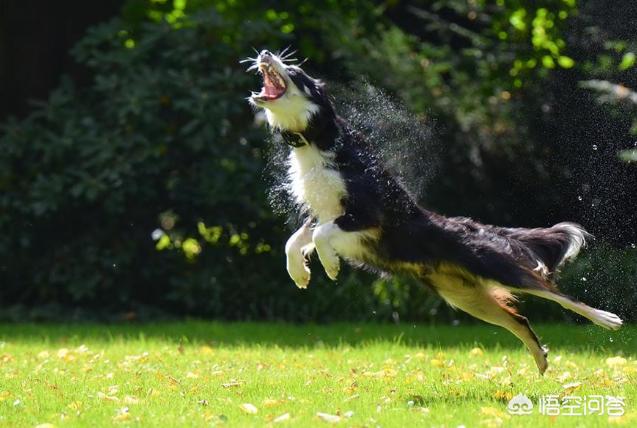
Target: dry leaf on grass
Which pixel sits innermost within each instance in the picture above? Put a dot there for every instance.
(570, 387)
(284, 417)
(249, 408)
(131, 399)
(615, 361)
(269, 402)
(106, 397)
(476, 352)
(326, 417)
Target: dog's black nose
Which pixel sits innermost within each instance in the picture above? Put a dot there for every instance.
(265, 53)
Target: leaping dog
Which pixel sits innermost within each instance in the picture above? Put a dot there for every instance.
(357, 211)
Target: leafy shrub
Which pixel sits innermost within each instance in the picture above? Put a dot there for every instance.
(158, 141)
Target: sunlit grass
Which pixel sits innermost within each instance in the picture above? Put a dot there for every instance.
(202, 374)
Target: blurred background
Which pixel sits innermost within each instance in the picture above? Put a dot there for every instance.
(134, 178)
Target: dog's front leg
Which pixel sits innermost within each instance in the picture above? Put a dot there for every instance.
(297, 251)
(342, 237)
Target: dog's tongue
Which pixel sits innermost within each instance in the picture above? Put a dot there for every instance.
(270, 88)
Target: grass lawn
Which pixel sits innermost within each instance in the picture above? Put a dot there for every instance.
(202, 374)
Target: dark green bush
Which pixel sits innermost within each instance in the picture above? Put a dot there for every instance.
(163, 140)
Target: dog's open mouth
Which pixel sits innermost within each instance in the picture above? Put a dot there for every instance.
(273, 83)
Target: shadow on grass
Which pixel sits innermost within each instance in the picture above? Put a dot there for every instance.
(556, 336)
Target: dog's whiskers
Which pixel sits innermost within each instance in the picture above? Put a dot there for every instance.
(282, 54)
(288, 55)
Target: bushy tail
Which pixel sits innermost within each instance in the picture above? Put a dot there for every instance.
(553, 246)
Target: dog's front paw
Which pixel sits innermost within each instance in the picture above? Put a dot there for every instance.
(331, 264)
(298, 271)
(326, 253)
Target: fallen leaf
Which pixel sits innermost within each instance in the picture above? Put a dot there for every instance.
(326, 417)
(615, 361)
(45, 426)
(564, 377)
(121, 417)
(492, 411)
(269, 402)
(249, 408)
(571, 386)
(437, 363)
(284, 417)
(206, 350)
(231, 384)
(476, 352)
(75, 405)
(105, 397)
(130, 399)
(504, 396)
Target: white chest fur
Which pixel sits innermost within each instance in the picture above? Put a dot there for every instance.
(315, 184)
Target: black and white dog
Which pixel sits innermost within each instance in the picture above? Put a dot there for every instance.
(357, 211)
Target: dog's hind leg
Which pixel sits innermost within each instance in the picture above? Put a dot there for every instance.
(602, 318)
(490, 304)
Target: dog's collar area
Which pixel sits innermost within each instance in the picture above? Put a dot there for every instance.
(294, 139)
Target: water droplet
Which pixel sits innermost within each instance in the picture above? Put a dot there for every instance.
(594, 146)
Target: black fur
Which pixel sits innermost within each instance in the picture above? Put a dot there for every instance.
(411, 233)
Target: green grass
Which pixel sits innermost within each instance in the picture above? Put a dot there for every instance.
(200, 374)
